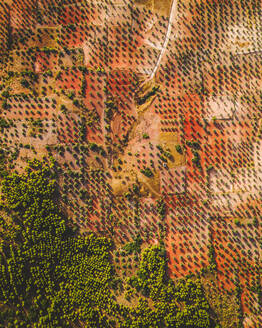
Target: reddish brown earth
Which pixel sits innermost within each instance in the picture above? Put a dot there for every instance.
(84, 55)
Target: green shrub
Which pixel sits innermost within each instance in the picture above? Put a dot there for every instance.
(147, 172)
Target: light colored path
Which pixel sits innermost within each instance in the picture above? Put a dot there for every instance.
(173, 13)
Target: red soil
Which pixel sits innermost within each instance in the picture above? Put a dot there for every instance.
(186, 241)
(78, 36)
(70, 79)
(43, 108)
(45, 62)
(68, 128)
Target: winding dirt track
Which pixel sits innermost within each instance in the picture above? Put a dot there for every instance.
(173, 13)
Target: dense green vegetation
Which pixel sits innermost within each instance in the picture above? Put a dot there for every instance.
(53, 277)
(3, 170)
(149, 94)
(181, 305)
(49, 276)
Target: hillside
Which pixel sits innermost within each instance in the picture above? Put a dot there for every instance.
(146, 117)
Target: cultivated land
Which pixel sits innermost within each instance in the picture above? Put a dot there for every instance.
(149, 115)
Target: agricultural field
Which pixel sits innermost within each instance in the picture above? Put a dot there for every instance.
(130, 163)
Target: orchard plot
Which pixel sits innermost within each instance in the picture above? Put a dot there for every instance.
(70, 80)
(237, 204)
(149, 219)
(46, 61)
(23, 14)
(4, 20)
(236, 249)
(95, 53)
(156, 32)
(25, 107)
(145, 59)
(220, 108)
(173, 180)
(21, 60)
(123, 219)
(220, 181)
(120, 85)
(41, 37)
(247, 179)
(175, 157)
(46, 84)
(123, 120)
(186, 240)
(77, 35)
(36, 133)
(68, 128)
(93, 90)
